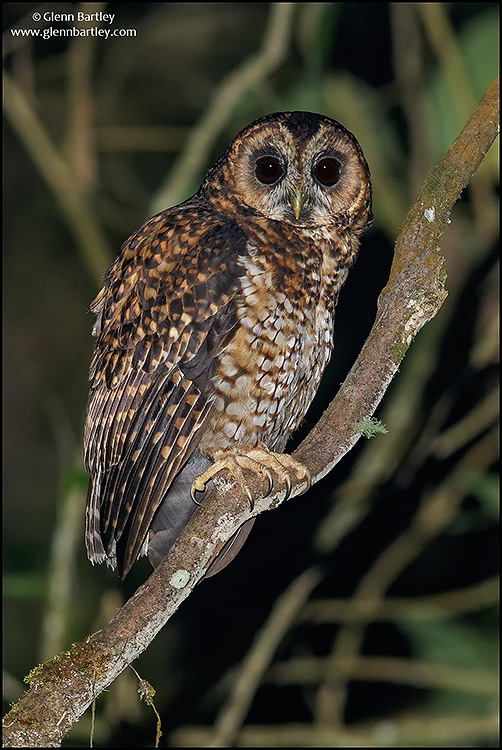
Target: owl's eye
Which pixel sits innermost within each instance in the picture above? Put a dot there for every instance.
(269, 170)
(327, 172)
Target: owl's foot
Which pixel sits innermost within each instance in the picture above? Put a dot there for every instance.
(259, 461)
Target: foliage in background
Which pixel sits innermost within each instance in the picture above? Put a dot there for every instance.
(101, 133)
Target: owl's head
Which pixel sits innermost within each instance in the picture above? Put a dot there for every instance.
(298, 167)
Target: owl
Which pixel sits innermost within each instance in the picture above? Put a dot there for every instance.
(214, 327)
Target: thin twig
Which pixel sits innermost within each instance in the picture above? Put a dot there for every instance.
(56, 172)
(81, 121)
(407, 730)
(480, 418)
(441, 36)
(468, 599)
(408, 54)
(65, 539)
(258, 658)
(311, 670)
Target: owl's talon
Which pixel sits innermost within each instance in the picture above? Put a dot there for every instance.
(270, 481)
(288, 487)
(233, 464)
(258, 461)
(247, 491)
(192, 495)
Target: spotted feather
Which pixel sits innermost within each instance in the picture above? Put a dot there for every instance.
(158, 335)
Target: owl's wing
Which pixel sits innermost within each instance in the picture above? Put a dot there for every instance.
(165, 313)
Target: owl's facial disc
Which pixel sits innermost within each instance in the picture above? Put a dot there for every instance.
(299, 168)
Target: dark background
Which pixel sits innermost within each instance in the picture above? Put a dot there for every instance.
(120, 115)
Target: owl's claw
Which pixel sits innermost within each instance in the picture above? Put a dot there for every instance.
(270, 481)
(233, 464)
(288, 486)
(194, 499)
(259, 461)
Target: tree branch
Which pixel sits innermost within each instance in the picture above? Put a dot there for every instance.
(62, 689)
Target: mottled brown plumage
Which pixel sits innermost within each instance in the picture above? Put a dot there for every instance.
(214, 327)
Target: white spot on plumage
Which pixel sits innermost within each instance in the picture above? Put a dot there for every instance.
(266, 365)
(230, 429)
(241, 431)
(235, 409)
(242, 383)
(219, 404)
(225, 387)
(279, 361)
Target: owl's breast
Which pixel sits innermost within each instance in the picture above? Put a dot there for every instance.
(268, 375)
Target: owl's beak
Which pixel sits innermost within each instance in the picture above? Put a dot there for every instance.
(297, 202)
